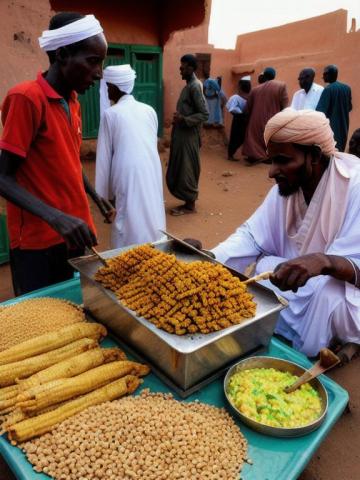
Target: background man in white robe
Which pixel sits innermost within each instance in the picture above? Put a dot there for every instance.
(128, 168)
(307, 232)
(308, 97)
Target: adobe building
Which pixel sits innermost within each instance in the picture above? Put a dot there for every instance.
(136, 32)
(152, 35)
(315, 42)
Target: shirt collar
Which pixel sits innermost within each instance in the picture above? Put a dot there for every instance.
(48, 89)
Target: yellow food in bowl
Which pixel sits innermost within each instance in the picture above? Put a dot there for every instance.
(258, 394)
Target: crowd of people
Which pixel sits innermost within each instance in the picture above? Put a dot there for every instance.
(252, 108)
(306, 230)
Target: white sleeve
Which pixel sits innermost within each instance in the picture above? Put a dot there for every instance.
(240, 244)
(294, 103)
(258, 235)
(104, 152)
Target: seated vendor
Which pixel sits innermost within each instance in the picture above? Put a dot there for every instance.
(307, 231)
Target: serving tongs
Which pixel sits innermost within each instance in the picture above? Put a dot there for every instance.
(97, 254)
(327, 360)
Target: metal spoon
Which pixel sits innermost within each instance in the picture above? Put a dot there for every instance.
(327, 360)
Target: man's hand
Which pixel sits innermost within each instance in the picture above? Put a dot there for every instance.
(75, 232)
(295, 273)
(107, 210)
(194, 243)
(177, 118)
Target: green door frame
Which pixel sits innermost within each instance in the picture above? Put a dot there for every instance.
(90, 100)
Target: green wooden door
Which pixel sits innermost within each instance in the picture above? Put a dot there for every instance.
(147, 62)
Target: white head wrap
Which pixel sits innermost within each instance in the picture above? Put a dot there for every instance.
(73, 32)
(123, 76)
(247, 77)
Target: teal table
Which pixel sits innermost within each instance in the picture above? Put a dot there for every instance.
(273, 458)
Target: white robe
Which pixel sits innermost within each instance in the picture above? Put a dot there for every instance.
(324, 307)
(128, 168)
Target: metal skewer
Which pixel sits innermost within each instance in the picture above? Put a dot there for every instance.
(102, 259)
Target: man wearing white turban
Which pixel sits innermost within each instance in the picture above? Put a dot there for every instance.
(307, 232)
(41, 176)
(128, 167)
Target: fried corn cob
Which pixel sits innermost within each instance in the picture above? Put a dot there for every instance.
(51, 341)
(73, 366)
(38, 398)
(35, 426)
(8, 392)
(24, 368)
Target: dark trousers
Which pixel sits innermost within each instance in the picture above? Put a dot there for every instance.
(33, 269)
(237, 133)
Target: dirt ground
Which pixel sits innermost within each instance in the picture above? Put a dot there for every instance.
(229, 193)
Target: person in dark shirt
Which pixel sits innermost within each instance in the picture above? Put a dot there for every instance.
(335, 102)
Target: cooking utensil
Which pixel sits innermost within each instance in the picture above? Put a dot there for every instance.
(327, 360)
(199, 357)
(283, 366)
(256, 278)
(186, 244)
(102, 259)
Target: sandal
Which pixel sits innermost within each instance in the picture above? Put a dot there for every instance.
(178, 211)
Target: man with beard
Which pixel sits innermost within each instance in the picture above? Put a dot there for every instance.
(308, 97)
(307, 233)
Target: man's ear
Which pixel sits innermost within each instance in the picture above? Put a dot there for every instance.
(62, 55)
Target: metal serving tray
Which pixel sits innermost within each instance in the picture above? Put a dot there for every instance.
(185, 362)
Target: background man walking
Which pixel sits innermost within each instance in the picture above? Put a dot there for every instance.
(128, 167)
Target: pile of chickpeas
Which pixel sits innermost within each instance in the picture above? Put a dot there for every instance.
(151, 436)
(36, 316)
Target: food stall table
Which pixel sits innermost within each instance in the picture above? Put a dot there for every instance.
(272, 458)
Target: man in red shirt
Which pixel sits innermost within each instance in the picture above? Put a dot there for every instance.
(41, 175)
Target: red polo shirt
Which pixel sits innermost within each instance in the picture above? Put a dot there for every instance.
(38, 128)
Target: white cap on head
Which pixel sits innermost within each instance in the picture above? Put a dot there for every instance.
(246, 77)
(73, 32)
(123, 76)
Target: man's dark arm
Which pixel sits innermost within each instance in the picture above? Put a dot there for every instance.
(294, 273)
(106, 208)
(74, 230)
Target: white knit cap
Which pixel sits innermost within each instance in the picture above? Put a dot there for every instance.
(247, 77)
(73, 32)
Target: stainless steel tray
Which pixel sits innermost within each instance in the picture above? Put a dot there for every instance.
(185, 360)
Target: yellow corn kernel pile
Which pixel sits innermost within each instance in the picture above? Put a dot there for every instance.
(33, 317)
(175, 296)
